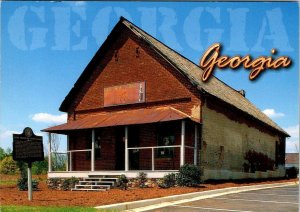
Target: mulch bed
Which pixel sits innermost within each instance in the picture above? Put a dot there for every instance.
(10, 195)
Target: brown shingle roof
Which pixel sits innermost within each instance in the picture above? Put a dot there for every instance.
(214, 86)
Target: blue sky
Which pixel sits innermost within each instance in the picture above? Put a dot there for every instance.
(46, 45)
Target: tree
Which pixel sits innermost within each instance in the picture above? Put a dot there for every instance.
(2, 154)
(8, 166)
(58, 160)
(40, 167)
(8, 151)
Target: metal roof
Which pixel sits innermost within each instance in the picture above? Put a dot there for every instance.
(121, 118)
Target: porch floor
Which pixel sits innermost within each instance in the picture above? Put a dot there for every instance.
(129, 174)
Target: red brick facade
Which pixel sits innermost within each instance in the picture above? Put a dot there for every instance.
(165, 86)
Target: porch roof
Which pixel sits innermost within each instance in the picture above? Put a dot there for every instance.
(121, 118)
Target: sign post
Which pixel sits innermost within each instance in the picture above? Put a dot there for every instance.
(28, 147)
(29, 182)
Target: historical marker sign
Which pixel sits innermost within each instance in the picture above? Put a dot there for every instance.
(27, 146)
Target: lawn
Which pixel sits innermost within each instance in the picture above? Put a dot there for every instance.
(42, 209)
(10, 180)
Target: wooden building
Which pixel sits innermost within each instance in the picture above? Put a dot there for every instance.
(141, 106)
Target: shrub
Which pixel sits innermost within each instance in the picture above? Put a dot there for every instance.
(22, 166)
(189, 175)
(22, 184)
(40, 167)
(168, 181)
(291, 172)
(62, 183)
(68, 184)
(142, 179)
(2, 154)
(52, 183)
(8, 166)
(123, 182)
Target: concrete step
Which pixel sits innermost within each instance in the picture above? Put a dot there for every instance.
(99, 179)
(88, 189)
(86, 182)
(93, 186)
(96, 183)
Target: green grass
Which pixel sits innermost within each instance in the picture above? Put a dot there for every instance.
(8, 182)
(43, 208)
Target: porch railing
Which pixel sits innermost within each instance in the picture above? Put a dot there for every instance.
(68, 153)
(153, 148)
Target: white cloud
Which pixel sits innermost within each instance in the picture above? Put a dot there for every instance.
(49, 118)
(293, 131)
(7, 134)
(6, 137)
(272, 113)
(292, 143)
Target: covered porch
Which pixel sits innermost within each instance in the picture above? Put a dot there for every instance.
(155, 141)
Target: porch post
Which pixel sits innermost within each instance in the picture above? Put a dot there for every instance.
(93, 151)
(126, 149)
(50, 151)
(182, 148)
(196, 145)
(68, 148)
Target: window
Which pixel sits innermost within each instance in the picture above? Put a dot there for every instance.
(166, 140)
(166, 137)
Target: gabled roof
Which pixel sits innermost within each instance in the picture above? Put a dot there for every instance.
(193, 72)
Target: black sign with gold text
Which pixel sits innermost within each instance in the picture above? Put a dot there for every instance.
(27, 146)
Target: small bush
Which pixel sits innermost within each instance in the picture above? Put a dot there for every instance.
(40, 167)
(22, 184)
(189, 175)
(142, 179)
(68, 184)
(52, 183)
(8, 166)
(168, 181)
(291, 172)
(123, 182)
(65, 184)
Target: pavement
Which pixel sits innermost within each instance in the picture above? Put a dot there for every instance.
(271, 199)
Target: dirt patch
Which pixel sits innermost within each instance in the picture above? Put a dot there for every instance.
(10, 195)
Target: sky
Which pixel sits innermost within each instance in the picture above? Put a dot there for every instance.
(45, 46)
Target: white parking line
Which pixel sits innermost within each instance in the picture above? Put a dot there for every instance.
(285, 189)
(253, 200)
(278, 195)
(213, 209)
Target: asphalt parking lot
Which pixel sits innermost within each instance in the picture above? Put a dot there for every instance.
(272, 199)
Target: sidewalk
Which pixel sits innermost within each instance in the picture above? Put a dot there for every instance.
(182, 198)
